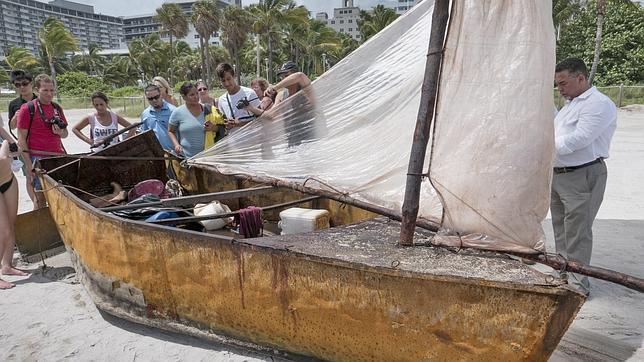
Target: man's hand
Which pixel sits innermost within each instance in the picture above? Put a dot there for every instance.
(178, 149)
(231, 123)
(270, 91)
(57, 130)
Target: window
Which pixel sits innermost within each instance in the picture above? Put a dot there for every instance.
(196, 36)
(341, 30)
(350, 29)
(341, 21)
(332, 21)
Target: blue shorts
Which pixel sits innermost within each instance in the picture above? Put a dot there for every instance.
(36, 181)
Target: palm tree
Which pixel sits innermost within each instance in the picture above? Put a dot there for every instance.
(268, 16)
(320, 39)
(174, 22)
(120, 71)
(90, 62)
(148, 55)
(55, 41)
(21, 58)
(371, 23)
(600, 7)
(205, 18)
(562, 11)
(235, 25)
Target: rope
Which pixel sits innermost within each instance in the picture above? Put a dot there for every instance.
(61, 184)
(325, 184)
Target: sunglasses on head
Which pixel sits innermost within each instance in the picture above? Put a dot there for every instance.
(154, 98)
(24, 83)
(202, 89)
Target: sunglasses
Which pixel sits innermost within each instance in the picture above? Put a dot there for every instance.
(202, 89)
(24, 83)
(154, 98)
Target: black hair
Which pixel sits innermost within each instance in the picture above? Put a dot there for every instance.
(152, 87)
(224, 68)
(185, 88)
(574, 66)
(100, 95)
(19, 74)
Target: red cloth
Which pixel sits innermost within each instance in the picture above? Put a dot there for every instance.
(41, 137)
(250, 222)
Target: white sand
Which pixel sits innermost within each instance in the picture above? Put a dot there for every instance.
(51, 317)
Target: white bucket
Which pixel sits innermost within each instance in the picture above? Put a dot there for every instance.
(214, 207)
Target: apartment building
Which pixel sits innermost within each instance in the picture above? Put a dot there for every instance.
(345, 19)
(20, 21)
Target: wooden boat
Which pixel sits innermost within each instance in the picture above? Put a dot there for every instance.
(343, 293)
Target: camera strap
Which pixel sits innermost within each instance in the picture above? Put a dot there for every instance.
(230, 105)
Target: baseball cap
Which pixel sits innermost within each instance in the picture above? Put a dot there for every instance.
(287, 67)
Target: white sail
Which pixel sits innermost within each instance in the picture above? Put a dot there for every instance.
(352, 130)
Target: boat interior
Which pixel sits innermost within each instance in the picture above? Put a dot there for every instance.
(205, 201)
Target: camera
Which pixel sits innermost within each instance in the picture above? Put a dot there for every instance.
(58, 122)
(243, 103)
(13, 147)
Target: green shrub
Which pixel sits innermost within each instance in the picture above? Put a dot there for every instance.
(129, 91)
(77, 84)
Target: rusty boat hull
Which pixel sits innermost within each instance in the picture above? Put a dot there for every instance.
(344, 293)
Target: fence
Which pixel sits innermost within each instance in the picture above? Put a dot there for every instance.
(622, 95)
(126, 106)
(133, 106)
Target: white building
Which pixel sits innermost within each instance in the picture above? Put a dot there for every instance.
(404, 5)
(20, 21)
(345, 19)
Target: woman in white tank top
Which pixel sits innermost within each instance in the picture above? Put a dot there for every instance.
(103, 123)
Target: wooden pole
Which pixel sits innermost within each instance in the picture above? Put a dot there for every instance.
(560, 263)
(193, 199)
(423, 122)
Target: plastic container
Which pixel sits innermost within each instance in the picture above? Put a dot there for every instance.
(297, 220)
(214, 207)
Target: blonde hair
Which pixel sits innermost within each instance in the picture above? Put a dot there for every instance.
(162, 83)
(42, 78)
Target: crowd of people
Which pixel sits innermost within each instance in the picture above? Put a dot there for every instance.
(583, 131)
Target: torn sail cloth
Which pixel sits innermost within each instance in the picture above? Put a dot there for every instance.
(250, 222)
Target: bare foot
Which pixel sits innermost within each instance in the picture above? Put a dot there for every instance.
(6, 285)
(14, 271)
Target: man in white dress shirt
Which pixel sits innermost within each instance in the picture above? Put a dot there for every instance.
(583, 131)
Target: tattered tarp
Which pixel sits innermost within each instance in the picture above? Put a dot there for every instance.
(352, 130)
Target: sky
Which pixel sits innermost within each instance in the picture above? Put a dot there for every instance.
(140, 7)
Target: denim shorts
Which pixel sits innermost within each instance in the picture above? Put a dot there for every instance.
(36, 181)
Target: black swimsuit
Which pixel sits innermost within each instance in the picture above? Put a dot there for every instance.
(5, 186)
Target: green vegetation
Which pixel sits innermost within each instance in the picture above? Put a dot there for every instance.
(258, 38)
(621, 59)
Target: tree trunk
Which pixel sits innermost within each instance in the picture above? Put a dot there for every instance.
(203, 59)
(601, 10)
(171, 62)
(237, 60)
(207, 54)
(52, 70)
(258, 56)
(269, 71)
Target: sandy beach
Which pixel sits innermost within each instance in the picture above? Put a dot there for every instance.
(49, 316)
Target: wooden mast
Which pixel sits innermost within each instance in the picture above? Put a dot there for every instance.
(440, 16)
